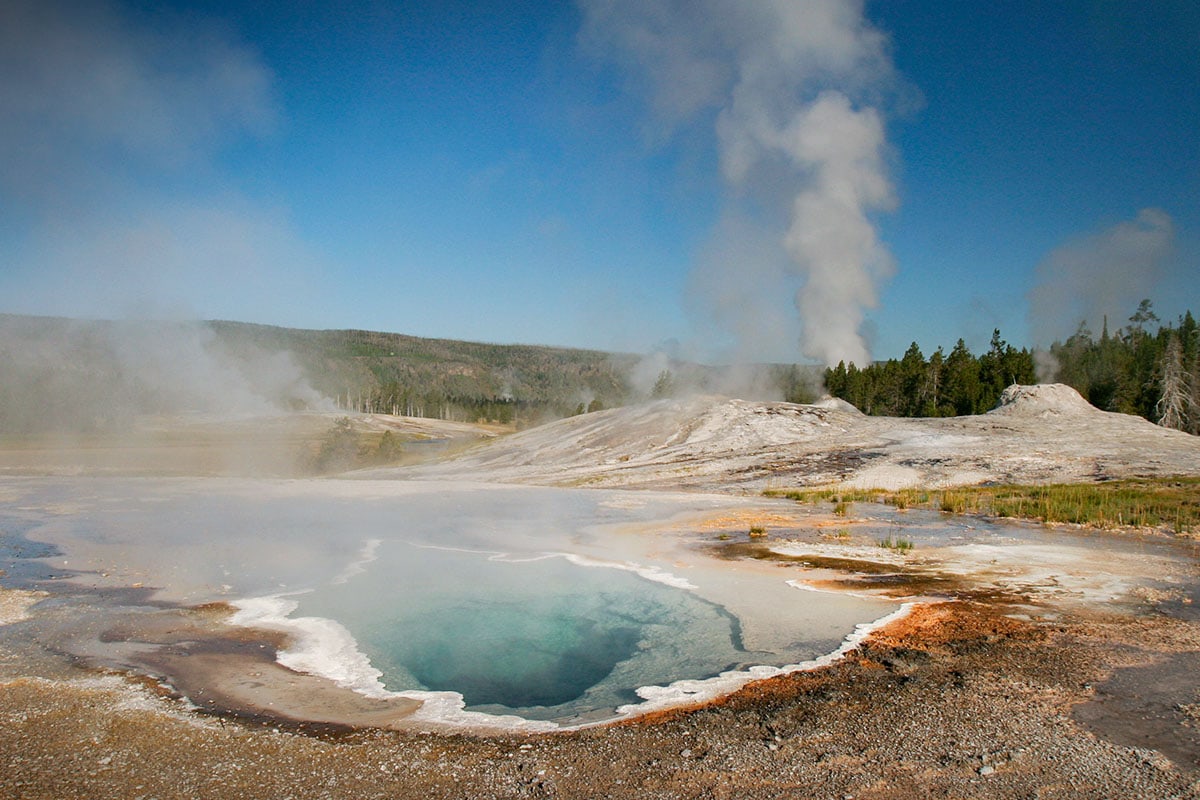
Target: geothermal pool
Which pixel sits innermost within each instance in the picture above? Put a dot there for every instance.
(492, 605)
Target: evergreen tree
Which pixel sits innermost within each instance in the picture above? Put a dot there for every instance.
(856, 392)
(1144, 314)
(664, 386)
(836, 380)
(930, 393)
(992, 377)
(911, 380)
(1107, 370)
(1071, 357)
(962, 381)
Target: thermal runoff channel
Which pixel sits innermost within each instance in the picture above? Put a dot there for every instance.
(487, 605)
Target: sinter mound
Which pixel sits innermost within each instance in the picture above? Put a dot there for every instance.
(1038, 434)
(1043, 400)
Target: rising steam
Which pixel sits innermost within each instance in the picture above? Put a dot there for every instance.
(792, 90)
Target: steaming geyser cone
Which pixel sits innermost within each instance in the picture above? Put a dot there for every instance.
(837, 404)
(1043, 399)
(1042, 433)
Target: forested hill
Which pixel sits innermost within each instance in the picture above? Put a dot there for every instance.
(62, 374)
(58, 374)
(393, 373)
(1146, 368)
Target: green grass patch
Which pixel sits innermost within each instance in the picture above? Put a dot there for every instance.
(896, 543)
(819, 495)
(1171, 504)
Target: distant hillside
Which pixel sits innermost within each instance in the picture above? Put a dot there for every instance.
(392, 373)
(61, 374)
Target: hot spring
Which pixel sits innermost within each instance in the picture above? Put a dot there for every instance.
(494, 605)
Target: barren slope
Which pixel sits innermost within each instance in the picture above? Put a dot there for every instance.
(1038, 434)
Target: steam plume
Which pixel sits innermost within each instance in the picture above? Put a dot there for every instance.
(791, 88)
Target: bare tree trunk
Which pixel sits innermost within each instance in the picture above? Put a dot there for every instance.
(1175, 403)
(1194, 396)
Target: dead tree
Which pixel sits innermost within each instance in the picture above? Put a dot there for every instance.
(1175, 403)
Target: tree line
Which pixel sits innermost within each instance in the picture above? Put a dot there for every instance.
(1134, 370)
(939, 386)
(1154, 374)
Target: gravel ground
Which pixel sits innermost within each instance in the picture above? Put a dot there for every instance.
(957, 700)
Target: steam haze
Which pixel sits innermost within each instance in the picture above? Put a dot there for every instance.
(69, 376)
(1103, 274)
(792, 92)
(111, 129)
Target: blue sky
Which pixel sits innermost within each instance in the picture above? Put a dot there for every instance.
(606, 173)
